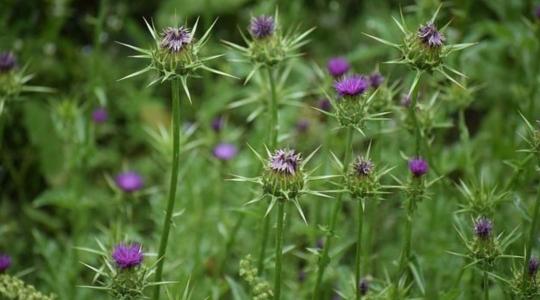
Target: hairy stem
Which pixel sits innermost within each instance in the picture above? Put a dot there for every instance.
(324, 258)
(175, 89)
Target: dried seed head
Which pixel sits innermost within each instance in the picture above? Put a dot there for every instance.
(338, 66)
(127, 256)
(175, 39)
(225, 151)
(5, 262)
(262, 26)
(430, 36)
(7, 62)
(129, 181)
(418, 167)
(351, 86)
(285, 161)
(483, 228)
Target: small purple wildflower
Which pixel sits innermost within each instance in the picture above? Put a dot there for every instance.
(285, 161)
(376, 79)
(128, 256)
(5, 262)
(129, 181)
(533, 266)
(362, 167)
(405, 100)
(418, 167)
(224, 151)
(338, 66)
(302, 126)
(430, 36)
(175, 39)
(100, 115)
(363, 286)
(351, 86)
(7, 62)
(482, 228)
(217, 124)
(262, 26)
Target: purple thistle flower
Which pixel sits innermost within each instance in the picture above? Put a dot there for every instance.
(129, 181)
(217, 124)
(376, 79)
(363, 286)
(285, 161)
(302, 126)
(338, 66)
(175, 39)
(430, 36)
(7, 62)
(100, 115)
(5, 262)
(533, 266)
(262, 26)
(418, 167)
(128, 256)
(351, 86)
(482, 228)
(362, 167)
(224, 151)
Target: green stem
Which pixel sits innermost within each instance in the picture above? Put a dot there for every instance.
(279, 249)
(406, 250)
(413, 93)
(530, 242)
(175, 89)
(324, 258)
(465, 138)
(230, 242)
(272, 143)
(359, 247)
(486, 286)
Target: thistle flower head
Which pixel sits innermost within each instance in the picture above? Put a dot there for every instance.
(430, 36)
(175, 39)
(285, 161)
(217, 124)
(129, 181)
(5, 262)
(225, 151)
(351, 86)
(100, 115)
(262, 26)
(338, 66)
(483, 228)
(532, 267)
(376, 79)
(362, 167)
(7, 62)
(127, 256)
(363, 286)
(418, 167)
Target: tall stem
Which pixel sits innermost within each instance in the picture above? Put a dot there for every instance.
(272, 143)
(413, 93)
(175, 90)
(530, 242)
(324, 259)
(359, 247)
(279, 249)
(486, 285)
(406, 250)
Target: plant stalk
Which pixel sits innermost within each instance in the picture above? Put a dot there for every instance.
(279, 249)
(175, 90)
(359, 247)
(530, 243)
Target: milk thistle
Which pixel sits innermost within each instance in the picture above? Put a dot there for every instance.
(175, 56)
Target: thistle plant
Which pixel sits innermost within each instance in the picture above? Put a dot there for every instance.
(284, 181)
(175, 56)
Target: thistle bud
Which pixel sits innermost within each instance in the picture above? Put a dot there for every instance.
(418, 167)
(361, 178)
(225, 151)
(129, 281)
(127, 256)
(283, 174)
(129, 181)
(338, 66)
(100, 115)
(262, 27)
(351, 105)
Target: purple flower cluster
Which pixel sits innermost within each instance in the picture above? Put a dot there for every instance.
(532, 267)
(362, 167)
(225, 151)
(338, 66)
(129, 181)
(285, 161)
(5, 262)
(7, 62)
(100, 115)
(175, 39)
(430, 36)
(128, 256)
(262, 26)
(418, 167)
(483, 228)
(351, 86)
